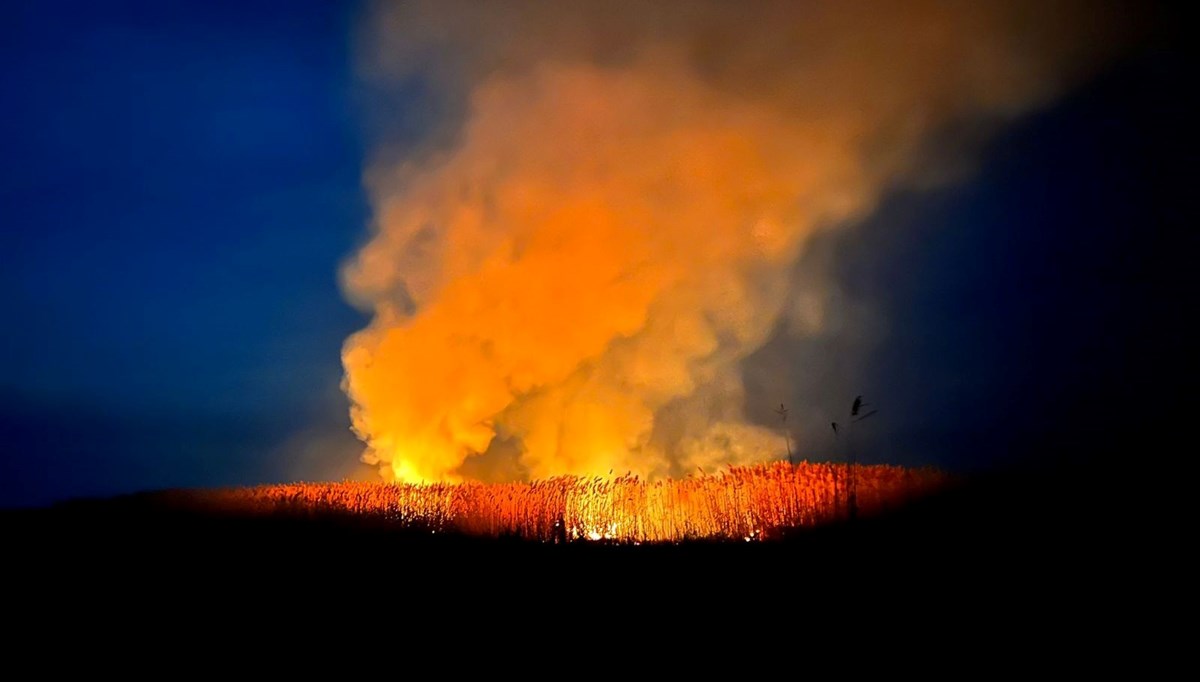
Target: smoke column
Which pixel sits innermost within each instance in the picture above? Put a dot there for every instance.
(605, 219)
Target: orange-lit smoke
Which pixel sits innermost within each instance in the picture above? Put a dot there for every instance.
(610, 221)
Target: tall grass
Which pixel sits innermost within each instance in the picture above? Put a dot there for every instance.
(739, 503)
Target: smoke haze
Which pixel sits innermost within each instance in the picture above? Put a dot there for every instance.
(604, 215)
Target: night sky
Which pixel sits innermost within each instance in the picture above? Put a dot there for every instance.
(182, 180)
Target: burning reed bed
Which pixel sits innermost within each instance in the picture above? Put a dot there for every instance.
(738, 503)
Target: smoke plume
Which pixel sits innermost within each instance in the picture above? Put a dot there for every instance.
(603, 217)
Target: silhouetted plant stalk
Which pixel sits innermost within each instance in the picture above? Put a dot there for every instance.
(852, 471)
(787, 439)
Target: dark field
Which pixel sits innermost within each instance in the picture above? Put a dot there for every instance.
(1055, 528)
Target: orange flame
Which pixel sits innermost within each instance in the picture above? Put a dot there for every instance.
(740, 503)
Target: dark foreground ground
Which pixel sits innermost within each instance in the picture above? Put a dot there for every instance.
(1024, 569)
(1059, 530)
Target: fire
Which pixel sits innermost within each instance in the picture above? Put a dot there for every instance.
(570, 281)
(740, 503)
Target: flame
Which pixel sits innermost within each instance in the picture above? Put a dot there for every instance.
(614, 225)
(740, 503)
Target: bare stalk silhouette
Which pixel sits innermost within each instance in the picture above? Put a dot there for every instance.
(856, 416)
(787, 439)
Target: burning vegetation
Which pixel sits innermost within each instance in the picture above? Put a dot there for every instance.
(739, 503)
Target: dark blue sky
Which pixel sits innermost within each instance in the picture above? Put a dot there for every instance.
(181, 181)
(179, 185)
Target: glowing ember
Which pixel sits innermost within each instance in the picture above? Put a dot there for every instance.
(742, 503)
